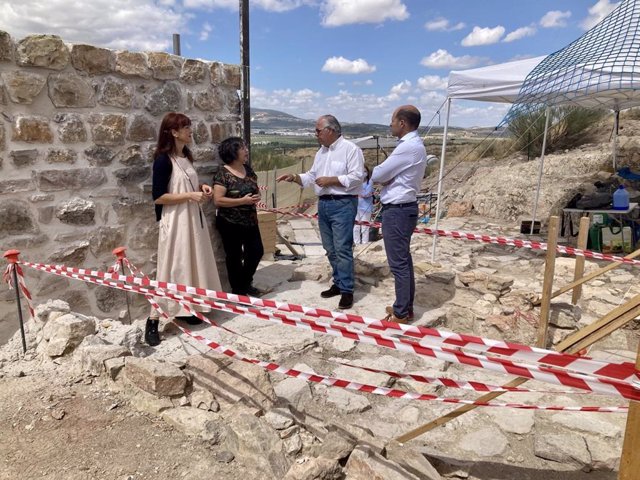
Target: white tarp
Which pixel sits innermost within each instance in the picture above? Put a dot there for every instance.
(495, 83)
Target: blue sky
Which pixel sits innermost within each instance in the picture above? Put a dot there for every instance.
(356, 59)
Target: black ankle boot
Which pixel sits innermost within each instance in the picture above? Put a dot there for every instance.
(151, 335)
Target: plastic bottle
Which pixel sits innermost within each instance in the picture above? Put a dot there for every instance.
(621, 199)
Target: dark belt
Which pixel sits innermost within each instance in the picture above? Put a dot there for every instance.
(399, 205)
(336, 197)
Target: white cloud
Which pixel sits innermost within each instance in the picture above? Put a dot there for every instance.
(206, 30)
(359, 83)
(555, 19)
(269, 5)
(442, 24)
(483, 36)
(401, 88)
(118, 24)
(597, 12)
(519, 33)
(336, 13)
(432, 82)
(443, 59)
(350, 67)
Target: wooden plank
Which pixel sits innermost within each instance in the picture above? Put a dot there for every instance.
(630, 460)
(583, 236)
(590, 276)
(547, 284)
(288, 244)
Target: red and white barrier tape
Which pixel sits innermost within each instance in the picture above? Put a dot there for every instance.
(332, 381)
(512, 242)
(619, 371)
(550, 375)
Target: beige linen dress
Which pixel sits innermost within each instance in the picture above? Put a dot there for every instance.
(185, 254)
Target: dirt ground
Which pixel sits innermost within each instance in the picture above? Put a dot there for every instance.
(75, 428)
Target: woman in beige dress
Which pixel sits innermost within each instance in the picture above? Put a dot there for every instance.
(185, 254)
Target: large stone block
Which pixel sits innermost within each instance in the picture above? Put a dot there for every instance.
(92, 60)
(128, 208)
(2, 141)
(226, 75)
(161, 379)
(132, 175)
(6, 47)
(108, 129)
(164, 65)
(104, 239)
(167, 98)
(70, 179)
(77, 211)
(91, 358)
(107, 299)
(141, 129)
(220, 131)
(65, 333)
(23, 87)
(33, 129)
(14, 186)
(232, 381)
(200, 132)
(132, 64)
(47, 51)
(71, 128)
(99, 156)
(116, 93)
(57, 155)
(70, 90)
(196, 423)
(209, 100)
(3, 94)
(73, 255)
(144, 235)
(132, 156)
(24, 158)
(16, 218)
(193, 72)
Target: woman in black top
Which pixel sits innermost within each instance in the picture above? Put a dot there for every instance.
(236, 193)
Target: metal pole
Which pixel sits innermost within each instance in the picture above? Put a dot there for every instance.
(120, 253)
(540, 170)
(377, 150)
(616, 121)
(245, 109)
(176, 44)
(17, 287)
(440, 175)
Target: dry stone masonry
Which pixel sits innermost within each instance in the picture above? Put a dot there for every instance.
(77, 133)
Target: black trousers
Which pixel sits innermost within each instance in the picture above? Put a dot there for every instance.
(243, 248)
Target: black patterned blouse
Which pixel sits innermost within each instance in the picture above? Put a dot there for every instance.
(236, 188)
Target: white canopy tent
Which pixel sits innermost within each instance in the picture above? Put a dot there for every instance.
(496, 83)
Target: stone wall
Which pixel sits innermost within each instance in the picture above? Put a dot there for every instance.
(77, 133)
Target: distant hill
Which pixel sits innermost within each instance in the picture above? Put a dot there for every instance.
(270, 121)
(274, 120)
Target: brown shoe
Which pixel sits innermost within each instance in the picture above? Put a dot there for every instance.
(391, 317)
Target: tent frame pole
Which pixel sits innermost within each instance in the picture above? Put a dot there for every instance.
(616, 122)
(440, 176)
(540, 170)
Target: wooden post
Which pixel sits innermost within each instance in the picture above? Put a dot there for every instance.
(583, 236)
(547, 285)
(590, 276)
(630, 459)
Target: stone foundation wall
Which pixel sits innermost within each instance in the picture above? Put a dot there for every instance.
(77, 133)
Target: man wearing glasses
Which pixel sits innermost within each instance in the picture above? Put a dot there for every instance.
(401, 175)
(336, 175)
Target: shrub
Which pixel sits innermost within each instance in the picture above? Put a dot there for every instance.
(568, 128)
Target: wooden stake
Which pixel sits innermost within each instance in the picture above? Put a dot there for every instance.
(583, 236)
(630, 460)
(547, 285)
(591, 276)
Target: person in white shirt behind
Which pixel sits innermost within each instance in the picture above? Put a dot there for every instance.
(400, 176)
(336, 175)
(365, 208)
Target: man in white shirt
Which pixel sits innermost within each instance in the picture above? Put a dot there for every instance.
(401, 175)
(336, 175)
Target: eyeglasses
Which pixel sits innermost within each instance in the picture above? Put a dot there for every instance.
(319, 130)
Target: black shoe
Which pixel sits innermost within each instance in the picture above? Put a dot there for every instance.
(346, 300)
(253, 291)
(334, 291)
(191, 319)
(151, 335)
